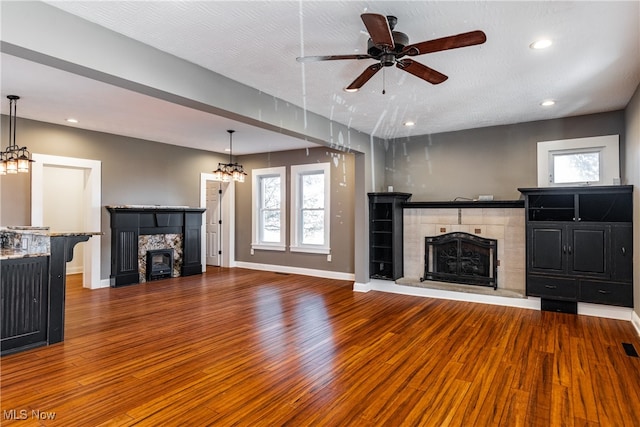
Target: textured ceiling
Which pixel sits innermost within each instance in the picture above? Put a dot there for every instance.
(593, 65)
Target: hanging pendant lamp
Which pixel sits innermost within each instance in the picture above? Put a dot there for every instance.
(227, 172)
(14, 159)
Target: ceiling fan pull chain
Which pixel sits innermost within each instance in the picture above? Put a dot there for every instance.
(383, 82)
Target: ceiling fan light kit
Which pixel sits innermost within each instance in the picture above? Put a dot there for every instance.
(389, 47)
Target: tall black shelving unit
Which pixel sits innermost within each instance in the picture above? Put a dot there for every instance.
(385, 235)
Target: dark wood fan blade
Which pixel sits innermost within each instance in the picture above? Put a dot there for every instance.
(364, 77)
(378, 28)
(422, 71)
(330, 57)
(452, 42)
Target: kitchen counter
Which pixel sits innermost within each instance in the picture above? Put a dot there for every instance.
(33, 262)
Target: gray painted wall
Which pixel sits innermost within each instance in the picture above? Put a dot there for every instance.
(139, 172)
(134, 171)
(341, 209)
(493, 160)
(632, 167)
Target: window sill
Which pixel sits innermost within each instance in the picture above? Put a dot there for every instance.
(311, 250)
(264, 247)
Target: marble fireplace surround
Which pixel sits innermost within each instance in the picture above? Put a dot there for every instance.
(500, 220)
(159, 241)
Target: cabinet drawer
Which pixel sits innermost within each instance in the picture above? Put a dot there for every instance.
(606, 293)
(552, 287)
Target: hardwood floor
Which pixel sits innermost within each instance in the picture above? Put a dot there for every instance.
(241, 347)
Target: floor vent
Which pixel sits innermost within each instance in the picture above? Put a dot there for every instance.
(629, 349)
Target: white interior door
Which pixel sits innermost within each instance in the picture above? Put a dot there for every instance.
(213, 223)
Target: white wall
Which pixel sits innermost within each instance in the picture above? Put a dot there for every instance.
(62, 206)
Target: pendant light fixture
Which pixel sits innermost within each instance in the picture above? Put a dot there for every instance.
(14, 159)
(227, 172)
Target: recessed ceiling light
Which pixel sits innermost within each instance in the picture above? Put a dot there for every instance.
(548, 103)
(350, 90)
(409, 123)
(72, 120)
(541, 44)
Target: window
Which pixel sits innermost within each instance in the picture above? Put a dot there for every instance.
(310, 190)
(269, 205)
(580, 161)
(575, 166)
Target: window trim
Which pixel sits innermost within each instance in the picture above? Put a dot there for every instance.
(609, 160)
(297, 171)
(256, 176)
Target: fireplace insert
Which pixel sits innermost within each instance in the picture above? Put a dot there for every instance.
(159, 264)
(461, 258)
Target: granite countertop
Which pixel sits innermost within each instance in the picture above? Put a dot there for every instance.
(19, 253)
(75, 233)
(27, 241)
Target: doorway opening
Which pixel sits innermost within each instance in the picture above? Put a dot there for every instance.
(89, 203)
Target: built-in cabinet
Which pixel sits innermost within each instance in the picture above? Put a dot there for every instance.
(579, 245)
(385, 235)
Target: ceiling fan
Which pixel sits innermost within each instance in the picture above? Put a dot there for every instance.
(390, 47)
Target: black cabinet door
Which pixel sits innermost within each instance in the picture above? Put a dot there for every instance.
(587, 250)
(547, 249)
(622, 253)
(25, 285)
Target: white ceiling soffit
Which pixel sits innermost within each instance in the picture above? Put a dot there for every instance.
(593, 65)
(51, 95)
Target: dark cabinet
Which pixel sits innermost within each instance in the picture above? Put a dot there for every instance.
(579, 244)
(568, 249)
(385, 235)
(25, 303)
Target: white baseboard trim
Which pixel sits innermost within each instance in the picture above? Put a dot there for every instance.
(606, 311)
(361, 287)
(296, 270)
(635, 321)
(104, 283)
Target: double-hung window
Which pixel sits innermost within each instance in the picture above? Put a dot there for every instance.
(269, 205)
(310, 201)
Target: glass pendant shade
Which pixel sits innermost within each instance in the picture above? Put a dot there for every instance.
(12, 166)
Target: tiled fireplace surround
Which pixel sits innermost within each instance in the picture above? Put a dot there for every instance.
(505, 224)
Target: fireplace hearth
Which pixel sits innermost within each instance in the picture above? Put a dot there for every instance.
(461, 258)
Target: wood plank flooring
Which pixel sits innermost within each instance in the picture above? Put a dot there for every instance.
(248, 348)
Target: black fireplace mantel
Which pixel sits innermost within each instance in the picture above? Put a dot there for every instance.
(128, 222)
